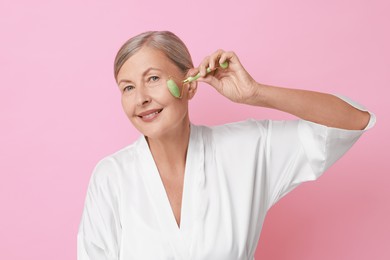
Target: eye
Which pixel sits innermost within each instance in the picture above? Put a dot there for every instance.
(154, 78)
(128, 88)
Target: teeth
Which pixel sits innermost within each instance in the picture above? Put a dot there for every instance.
(151, 115)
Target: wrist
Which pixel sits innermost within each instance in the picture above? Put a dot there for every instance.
(257, 97)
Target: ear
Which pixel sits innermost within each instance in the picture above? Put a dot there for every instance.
(192, 87)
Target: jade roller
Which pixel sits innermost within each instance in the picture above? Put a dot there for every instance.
(174, 89)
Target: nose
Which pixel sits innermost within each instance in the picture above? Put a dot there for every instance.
(142, 96)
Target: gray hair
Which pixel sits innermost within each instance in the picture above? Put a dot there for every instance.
(165, 41)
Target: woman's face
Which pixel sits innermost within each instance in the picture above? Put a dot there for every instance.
(146, 99)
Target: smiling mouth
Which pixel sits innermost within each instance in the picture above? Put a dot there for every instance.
(150, 115)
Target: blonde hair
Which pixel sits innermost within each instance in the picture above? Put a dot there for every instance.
(165, 41)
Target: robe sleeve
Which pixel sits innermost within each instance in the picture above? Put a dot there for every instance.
(299, 151)
(99, 232)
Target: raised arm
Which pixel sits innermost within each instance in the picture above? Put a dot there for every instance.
(236, 84)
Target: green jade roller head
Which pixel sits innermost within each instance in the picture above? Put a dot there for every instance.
(175, 90)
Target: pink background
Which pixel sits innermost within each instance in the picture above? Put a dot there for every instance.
(60, 111)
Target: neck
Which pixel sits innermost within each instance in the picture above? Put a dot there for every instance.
(170, 151)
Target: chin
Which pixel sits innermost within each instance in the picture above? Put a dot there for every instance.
(161, 127)
(153, 132)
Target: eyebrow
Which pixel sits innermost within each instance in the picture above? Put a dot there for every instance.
(143, 74)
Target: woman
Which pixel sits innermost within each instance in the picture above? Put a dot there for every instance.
(193, 192)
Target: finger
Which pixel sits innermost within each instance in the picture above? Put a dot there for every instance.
(214, 59)
(192, 72)
(212, 81)
(203, 66)
(230, 57)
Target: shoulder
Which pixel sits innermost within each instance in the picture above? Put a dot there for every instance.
(247, 128)
(236, 134)
(115, 164)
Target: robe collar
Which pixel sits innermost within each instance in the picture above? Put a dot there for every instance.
(180, 238)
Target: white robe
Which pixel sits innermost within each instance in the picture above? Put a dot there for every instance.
(234, 173)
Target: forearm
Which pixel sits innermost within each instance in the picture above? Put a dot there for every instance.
(313, 106)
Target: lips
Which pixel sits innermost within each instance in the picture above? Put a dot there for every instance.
(149, 114)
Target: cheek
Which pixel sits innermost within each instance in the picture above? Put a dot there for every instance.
(162, 95)
(179, 108)
(127, 106)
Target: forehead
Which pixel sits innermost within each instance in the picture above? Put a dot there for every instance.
(144, 59)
